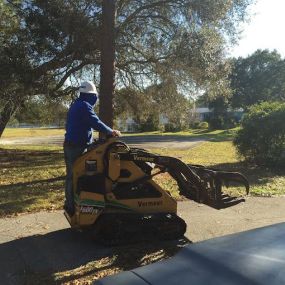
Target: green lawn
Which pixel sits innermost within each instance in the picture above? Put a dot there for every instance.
(31, 132)
(31, 179)
(222, 155)
(35, 132)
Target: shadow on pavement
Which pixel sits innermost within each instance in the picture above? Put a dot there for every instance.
(46, 254)
(35, 259)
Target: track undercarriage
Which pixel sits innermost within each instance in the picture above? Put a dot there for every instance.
(126, 228)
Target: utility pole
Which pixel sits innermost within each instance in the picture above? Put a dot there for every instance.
(107, 71)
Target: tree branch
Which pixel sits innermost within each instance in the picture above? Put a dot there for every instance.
(139, 10)
(71, 71)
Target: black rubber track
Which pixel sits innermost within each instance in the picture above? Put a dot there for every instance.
(127, 228)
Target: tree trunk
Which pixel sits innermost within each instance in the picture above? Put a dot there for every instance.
(107, 76)
(6, 114)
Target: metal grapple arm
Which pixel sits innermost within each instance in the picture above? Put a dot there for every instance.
(196, 182)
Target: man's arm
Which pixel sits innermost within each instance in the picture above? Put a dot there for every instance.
(93, 120)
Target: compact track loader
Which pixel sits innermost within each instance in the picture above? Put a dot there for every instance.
(117, 200)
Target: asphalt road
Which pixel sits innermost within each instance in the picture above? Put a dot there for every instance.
(43, 242)
(150, 141)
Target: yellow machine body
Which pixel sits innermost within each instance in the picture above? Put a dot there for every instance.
(101, 170)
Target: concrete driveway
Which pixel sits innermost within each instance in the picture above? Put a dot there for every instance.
(43, 242)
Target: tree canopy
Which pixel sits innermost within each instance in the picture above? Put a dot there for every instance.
(258, 78)
(182, 39)
(44, 44)
(42, 111)
(155, 102)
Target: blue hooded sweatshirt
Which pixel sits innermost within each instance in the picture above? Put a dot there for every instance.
(81, 120)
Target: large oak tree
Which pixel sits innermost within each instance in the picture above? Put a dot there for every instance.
(45, 44)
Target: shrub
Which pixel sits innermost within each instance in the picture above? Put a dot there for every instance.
(203, 125)
(171, 127)
(216, 122)
(176, 126)
(150, 124)
(221, 121)
(195, 125)
(261, 138)
(161, 128)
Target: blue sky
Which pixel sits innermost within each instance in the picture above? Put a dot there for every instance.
(266, 29)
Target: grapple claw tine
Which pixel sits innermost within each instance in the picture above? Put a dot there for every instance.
(237, 177)
(211, 181)
(217, 175)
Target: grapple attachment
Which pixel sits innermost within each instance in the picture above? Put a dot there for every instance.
(204, 185)
(196, 182)
(213, 180)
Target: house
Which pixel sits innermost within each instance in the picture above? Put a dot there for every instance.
(127, 125)
(203, 114)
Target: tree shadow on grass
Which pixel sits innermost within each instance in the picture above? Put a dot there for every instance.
(257, 176)
(12, 158)
(19, 198)
(28, 177)
(225, 135)
(220, 137)
(72, 255)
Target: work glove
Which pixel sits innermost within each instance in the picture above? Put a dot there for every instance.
(116, 133)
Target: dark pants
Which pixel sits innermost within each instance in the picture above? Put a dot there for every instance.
(71, 153)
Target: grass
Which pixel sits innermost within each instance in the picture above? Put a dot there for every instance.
(31, 132)
(222, 155)
(32, 179)
(196, 133)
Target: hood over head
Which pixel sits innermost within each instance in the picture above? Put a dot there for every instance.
(90, 98)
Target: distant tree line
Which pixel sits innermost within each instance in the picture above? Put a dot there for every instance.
(258, 78)
(41, 111)
(148, 106)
